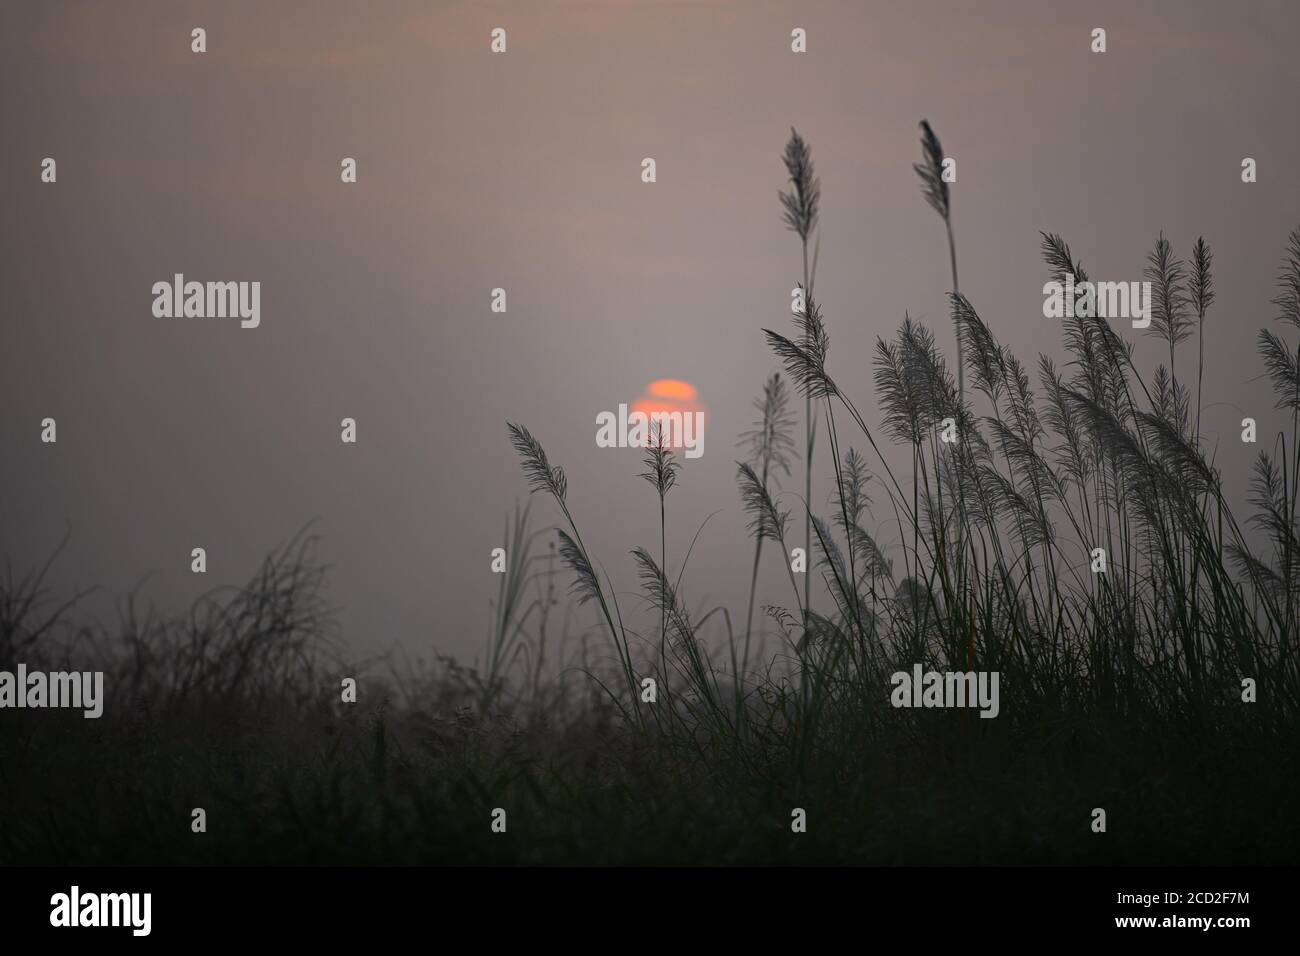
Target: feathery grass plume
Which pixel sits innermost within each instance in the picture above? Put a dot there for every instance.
(1024, 411)
(1201, 293)
(1059, 259)
(801, 203)
(1283, 367)
(913, 383)
(875, 563)
(931, 171)
(1169, 402)
(801, 211)
(1274, 516)
(771, 443)
(542, 476)
(997, 372)
(984, 356)
(1277, 485)
(832, 558)
(1263, 577)
(967, 471)
(1071, 455)
(511, 613)
(910, 392)
(1100, 353)
(662, 473)
(661, 593)
(771, 440)
(1028, 515)
(1026, 463)
(689, 656)
(1179, 455)
(661, 464)
(925, 365)
(538, 471)
(1111, 433)
(1061, 263)
(855, 503)
(936, 194)
(766, 521)
(896, 394)
(853, 490)
(1101, 362)
(1169, 319)
(1201, 283)
(806, 363)
(1154, 491)
(1268, 495)
(1288, 300)
(585, 587)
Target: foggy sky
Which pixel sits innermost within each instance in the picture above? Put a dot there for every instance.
(522, 171)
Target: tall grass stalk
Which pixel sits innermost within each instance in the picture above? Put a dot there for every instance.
(801, 210)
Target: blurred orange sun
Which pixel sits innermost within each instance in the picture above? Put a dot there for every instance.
(670, 395)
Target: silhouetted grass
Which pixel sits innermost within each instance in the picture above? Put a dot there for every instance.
(1120, 690)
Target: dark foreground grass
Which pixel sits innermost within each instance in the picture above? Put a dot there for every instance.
(411, 773)
(379, 787)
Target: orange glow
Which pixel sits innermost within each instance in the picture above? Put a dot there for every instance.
(670, 395)
(671, 388)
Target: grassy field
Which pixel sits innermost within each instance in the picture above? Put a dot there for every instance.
(1120, 690)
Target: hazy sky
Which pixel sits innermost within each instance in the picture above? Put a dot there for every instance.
(522, 171)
